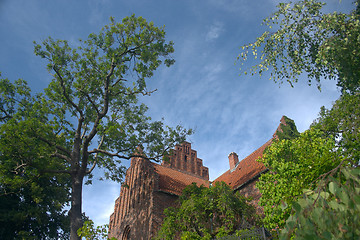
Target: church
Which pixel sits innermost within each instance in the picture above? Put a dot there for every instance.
(149, 187)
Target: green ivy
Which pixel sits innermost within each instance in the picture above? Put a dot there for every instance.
(294, 164)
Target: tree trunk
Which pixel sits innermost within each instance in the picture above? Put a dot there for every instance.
(75, 212)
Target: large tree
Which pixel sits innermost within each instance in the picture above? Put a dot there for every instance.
(332, 211)
(342, 122)
(329, 209)
(303, 39)
(31, 201)
(89, 115)
(206, 213)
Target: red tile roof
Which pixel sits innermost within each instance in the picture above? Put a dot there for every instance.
(173, 181)
(247, 169)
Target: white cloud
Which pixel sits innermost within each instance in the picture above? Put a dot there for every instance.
(214, 31)
(99, 200)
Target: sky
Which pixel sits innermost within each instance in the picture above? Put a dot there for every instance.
(204, 90)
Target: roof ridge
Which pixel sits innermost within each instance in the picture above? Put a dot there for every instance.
(181, 171)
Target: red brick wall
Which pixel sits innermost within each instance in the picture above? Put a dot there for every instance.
(185, 159)
(139, 209)
(141, 205)
(161, 201)
(133, 207)
(250, 190)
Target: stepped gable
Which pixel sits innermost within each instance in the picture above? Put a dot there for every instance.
(181, 168)
(149, 188)
(174, 181)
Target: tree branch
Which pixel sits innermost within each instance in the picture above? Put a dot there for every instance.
(144, 93)
(110, 154)
(120, 79)
(54, 145)
(55, 171)
(82, 135)
(7, 115)
(92, 103)
(56, 154)
(96, 156)
(65, 93)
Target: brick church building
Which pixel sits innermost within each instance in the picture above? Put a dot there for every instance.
(149, 188)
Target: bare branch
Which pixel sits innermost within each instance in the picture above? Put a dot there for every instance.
(59, 131)
(22, 165)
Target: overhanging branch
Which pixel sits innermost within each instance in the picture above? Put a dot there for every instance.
(118, 155)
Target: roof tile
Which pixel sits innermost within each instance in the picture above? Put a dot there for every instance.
(247, 169)
(174, 181)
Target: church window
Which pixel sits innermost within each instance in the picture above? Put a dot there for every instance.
(126, 234)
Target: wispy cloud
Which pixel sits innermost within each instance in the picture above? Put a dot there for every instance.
(214, 31)
(99, 199)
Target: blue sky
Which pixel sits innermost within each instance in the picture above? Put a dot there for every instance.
(203, 90)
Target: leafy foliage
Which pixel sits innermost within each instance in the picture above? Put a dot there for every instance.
(330, 212)
(31, 200)
(343, 122)
(205, 213)
(304, 39)
(288, 130)
(89, 115)
(294, 164)
(89, 232)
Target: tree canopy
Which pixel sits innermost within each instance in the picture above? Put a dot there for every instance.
(206, 213)
(31, 201)
(329, 209)
(294, 165)
(332, 211)
(342, 122)
(89, 115)
(311, 188)
(303, 39)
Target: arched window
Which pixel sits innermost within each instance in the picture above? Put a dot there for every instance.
(126, 234)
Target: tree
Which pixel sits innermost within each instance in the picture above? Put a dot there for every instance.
(342, 122)
(288, 130)
(294, 165)
(89, 232)
(89, 113)
(310, 162)
(31, 201)
(323, 45)
(206, 213)
(332, 211)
